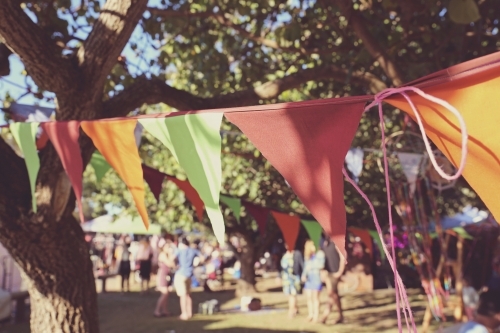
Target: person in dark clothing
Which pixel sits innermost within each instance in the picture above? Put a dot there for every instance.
(292, 264)
(334, 268)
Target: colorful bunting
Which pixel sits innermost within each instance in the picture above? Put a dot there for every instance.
(314, 231)
(234, 204)
(354, 161)
(100, 165)
(25, 135)
(364, 236)
(155, 179)
(307, 143)
(64, 137)
(116, 142)
(376, 238)
(289, 225)
(410, 162)
(191, 194)
(471, 87)
(195, 142)
(260, 215)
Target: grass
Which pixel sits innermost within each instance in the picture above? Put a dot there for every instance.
(133, 313)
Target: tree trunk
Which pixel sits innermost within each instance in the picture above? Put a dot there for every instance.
(55, 261)
(246, 284)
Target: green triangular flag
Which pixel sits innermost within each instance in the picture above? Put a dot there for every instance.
(462, 233)
(314, 231)
(25, 136)
(376, 239)
(234, 204)
(100, 165)
(194, 140)
(463, 11)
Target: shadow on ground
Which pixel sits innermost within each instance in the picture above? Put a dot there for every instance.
(133, 313)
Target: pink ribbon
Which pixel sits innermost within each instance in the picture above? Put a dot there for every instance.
(399, 286)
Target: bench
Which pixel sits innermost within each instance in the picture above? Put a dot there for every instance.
(20, 298)
(103, 278)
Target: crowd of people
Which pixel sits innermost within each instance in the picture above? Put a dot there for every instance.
(318, 268)
(178, 265)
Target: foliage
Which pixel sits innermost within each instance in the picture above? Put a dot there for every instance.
(211, 47)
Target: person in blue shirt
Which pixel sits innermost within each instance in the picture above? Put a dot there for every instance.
(185, 258)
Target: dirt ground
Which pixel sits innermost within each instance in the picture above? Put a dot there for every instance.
(133, 313)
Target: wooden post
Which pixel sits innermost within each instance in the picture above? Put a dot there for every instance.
(458, 313)
(427, 319)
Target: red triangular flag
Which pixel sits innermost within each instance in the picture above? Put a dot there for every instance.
(191, 194)
(64, 137)
(307, 143)
(289, 225)
(41, 142)
(259, 213)
(365, 237)
(154, 178)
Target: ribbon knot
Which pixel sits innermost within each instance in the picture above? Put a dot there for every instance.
(379, 98)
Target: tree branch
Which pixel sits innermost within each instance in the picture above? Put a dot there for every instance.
(360, 27)
(107, 39)
(146, 91)
(272, 89)
(150, 91)
(175, 13)
(40, 55)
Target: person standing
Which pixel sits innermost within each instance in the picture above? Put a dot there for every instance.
(185, 258)
(487, 319)
(292, 265)
(124, 264)
(311, 276)
(144, 256)
(165, 264)
(334, 268)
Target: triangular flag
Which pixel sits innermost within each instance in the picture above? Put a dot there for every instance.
(260, 215)
(138, 134)
(307, 143)
(289, 225)
(154, 178)
(25, 135)
(378, 241)
(364, 236)
(191, 194)
(42, 140)
(100, 165)
(354, 161)
(194, 140)
(472, 88)
(234, 204)
(116, 142)
(314, 231)
(64, 137)
(410, 162)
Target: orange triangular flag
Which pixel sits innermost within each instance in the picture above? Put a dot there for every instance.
(289, 225)
(473, 89)
(115, 140)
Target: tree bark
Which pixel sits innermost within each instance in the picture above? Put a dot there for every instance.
(246, 284)
(54, 258)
